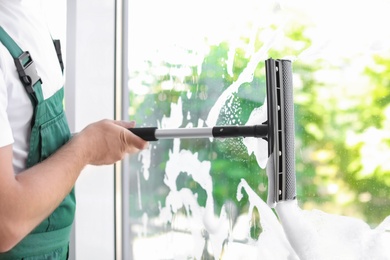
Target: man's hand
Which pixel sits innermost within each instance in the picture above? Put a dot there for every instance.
(108, 141)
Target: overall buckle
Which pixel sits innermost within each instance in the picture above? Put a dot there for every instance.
(27, 71)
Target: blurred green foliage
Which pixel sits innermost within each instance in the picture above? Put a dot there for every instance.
(333, 131)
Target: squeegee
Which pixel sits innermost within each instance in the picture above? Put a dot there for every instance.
(278, 131)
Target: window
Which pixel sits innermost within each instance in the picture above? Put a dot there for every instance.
(201, 63)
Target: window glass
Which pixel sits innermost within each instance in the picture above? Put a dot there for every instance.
(200, 64)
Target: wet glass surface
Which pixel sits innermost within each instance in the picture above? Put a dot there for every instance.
(201, 64)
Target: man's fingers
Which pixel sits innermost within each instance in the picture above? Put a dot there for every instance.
(130, 138)
(135, 141)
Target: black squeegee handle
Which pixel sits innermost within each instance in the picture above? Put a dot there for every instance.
(146, 133)
(154, 134)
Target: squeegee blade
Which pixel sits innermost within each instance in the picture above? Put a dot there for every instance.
(281, 162)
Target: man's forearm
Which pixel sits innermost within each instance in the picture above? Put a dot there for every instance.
(35, 193)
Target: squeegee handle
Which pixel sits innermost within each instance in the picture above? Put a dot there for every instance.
(146, 133)
(154, 134)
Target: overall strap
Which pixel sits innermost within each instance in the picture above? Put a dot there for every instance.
(57, 46)
(25, 66)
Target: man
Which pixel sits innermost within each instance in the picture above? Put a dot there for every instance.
(39, 160)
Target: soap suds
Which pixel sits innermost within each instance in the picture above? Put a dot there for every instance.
(258, 146)
(319, 235)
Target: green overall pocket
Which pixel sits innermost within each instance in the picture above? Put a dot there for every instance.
(50, 142)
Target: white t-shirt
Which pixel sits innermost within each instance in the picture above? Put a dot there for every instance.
(24, 22)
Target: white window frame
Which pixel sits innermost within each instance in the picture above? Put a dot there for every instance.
(90, 96)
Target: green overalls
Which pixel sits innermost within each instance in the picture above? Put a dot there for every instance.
(49, 131)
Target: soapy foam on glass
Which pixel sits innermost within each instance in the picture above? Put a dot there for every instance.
(292, 234)
(298, 234)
